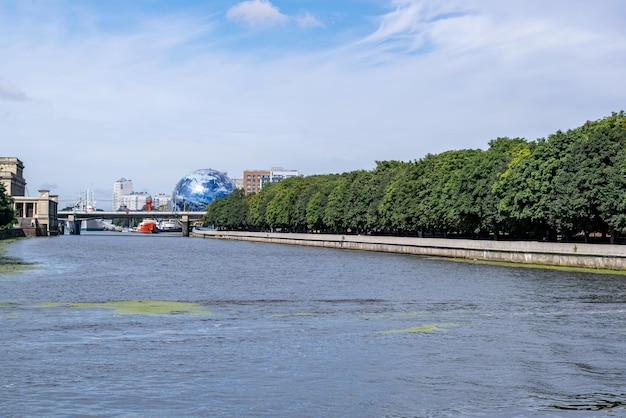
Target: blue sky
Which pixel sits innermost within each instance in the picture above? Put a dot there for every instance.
(92, 91)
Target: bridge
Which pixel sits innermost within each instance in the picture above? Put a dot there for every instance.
(74, 218)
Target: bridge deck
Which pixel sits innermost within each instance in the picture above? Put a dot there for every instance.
(64, 214)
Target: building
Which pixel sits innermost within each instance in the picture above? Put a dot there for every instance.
(238, 183)
(161, 202)
(36, 216)
(122, 187)
(254, 180)
(124, 198)
(135, 200)
(278, 173)
(11, 175)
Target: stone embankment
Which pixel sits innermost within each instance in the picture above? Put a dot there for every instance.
(594, 256)
(11, 233)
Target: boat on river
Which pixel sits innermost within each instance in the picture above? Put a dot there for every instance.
(170, 225)
(147, 226)
(87, 204)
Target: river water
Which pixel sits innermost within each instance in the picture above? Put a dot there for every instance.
(114, 324)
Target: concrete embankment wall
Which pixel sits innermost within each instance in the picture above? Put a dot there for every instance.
(595, 256)
(11, 233)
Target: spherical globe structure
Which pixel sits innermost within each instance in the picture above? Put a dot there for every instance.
(197, 189)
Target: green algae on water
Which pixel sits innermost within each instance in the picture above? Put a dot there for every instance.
(423, 328)
(405, 315)
(11, 265)
(294, 314)
(138, 307)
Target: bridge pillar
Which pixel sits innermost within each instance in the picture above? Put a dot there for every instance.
(74, 224)
(184, 220)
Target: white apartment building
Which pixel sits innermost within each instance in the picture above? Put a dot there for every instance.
(125, 198)
(278, 173)
(134, 201)
(122, 187)
(162, 201)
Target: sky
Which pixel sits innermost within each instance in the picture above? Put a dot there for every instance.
(93, 91)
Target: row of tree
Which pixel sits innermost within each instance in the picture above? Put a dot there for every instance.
(572, 183)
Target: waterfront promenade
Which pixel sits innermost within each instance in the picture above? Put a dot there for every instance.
(579, 255)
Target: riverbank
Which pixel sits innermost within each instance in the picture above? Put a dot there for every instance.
(578, 255)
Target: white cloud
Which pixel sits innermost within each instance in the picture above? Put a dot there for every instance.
(307, 20)
(410, 21)
(166, 96)
(256, 14)
(9, 92)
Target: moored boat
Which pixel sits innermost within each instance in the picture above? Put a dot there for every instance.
(87, 204)
(170, 225)
(147, 226)
(92, 225)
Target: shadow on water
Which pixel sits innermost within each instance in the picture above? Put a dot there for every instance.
(592, 402)
(11, 265)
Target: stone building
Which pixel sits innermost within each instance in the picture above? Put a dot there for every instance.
(36, 216)
(11, 175)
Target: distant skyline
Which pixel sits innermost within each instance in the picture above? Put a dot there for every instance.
(150, 90)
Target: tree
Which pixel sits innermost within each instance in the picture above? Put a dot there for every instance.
(216, 213)
(579, 185)
(335, 211)
(381, 178)
(316, 205)
(613, 206)
(481, 175)
(526, 189)
(257, 204)
(589, 173)
(237, 209)
(310, 186)
(359, 195)
(449, 195)
(230, 212)
(280, 212)
(400, 206)
(7, 214)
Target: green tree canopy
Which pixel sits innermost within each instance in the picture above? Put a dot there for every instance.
(7, 214)
(571, 182)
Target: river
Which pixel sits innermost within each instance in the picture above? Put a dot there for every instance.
(115, 324)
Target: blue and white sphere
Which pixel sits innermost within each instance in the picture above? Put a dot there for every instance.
(197, 189)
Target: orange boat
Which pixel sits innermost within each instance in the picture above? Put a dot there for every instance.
(147, 226)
